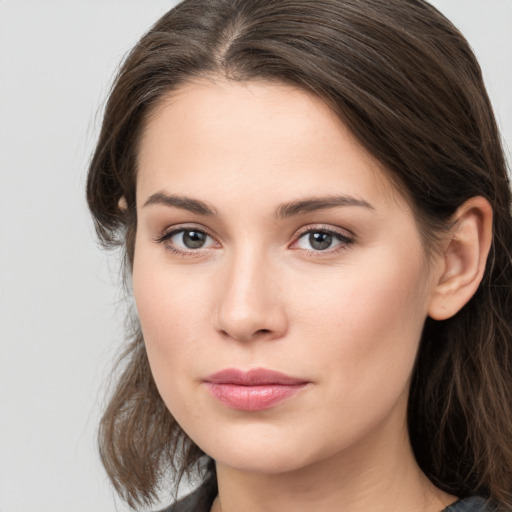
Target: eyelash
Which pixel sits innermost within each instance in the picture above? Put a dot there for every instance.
(167, 235)
(345, 240)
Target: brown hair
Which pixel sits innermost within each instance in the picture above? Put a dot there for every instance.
(405, 81)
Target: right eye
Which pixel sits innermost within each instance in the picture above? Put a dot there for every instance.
(186, 240)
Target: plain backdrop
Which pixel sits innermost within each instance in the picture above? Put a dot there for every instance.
(61, 312)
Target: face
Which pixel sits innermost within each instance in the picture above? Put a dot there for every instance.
(280, 280)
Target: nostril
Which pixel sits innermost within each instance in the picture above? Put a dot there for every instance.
(251, 336)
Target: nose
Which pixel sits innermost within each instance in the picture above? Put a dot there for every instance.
(249, 304)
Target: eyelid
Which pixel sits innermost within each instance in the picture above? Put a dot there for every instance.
(173, 228)
(345, 237)
(344, 233)
(171, 231)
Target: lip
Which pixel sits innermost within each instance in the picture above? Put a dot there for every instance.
(253, 390)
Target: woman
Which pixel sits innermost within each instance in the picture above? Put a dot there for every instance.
(315, 211)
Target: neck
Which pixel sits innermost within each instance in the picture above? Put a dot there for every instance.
(379, 474)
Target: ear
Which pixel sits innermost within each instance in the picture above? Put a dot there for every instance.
(462, 261)
(122, 204)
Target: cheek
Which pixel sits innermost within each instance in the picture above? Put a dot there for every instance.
(169, 319)
(171, 305)
(366, 328)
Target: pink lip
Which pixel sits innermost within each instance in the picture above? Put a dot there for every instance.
(252, 390)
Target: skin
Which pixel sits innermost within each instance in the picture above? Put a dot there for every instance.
(257, 294)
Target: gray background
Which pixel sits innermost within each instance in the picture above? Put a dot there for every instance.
(61, 312)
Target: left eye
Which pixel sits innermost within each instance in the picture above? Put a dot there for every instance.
(321, 240)
(189, 239)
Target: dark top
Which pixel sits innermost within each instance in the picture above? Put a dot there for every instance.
(201, 501)
(473, 504)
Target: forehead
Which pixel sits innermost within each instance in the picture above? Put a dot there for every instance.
(261, 139)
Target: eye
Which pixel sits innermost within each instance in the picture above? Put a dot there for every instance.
(187, 240)
(322, 240)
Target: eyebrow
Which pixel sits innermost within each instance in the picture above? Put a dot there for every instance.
(186, 203)
(319, 203)
(284, 211)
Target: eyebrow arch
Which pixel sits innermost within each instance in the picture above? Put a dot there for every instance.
(318, 203)
(186, 203)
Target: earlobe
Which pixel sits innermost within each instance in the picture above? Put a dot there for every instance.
(463, 259)
(122, 204)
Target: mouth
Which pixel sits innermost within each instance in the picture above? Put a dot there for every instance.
(253, 390)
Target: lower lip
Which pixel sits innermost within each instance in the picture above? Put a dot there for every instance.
(253, 398)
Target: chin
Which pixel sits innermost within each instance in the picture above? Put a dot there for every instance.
(265, 462)
(264, 450)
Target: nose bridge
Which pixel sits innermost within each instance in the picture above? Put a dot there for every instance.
(248, 304)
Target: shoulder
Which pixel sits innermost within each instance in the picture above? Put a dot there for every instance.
(472, 504)
(199, 500)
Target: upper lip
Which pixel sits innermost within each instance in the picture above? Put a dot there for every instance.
(253, 377)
